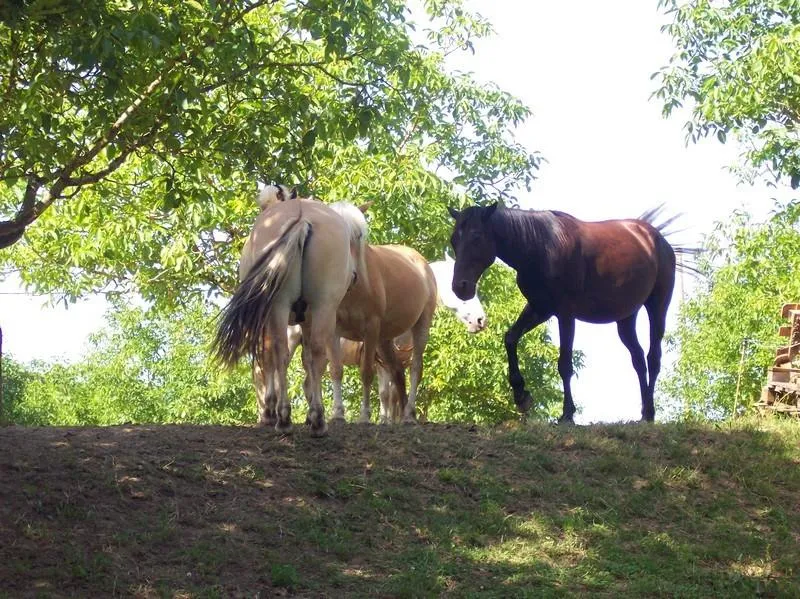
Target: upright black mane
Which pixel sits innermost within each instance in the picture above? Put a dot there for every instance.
(537, 235)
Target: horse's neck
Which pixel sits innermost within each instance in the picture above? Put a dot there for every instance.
(527, 244)
(443, 273)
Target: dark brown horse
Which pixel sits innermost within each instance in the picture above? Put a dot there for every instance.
(596, 272)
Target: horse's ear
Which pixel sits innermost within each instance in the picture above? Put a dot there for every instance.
(365, 206)
(279, 194)
(487, 214)
(293, 194)
(453, 212)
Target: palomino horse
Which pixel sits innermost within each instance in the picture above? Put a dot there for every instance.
(394, 292)
(470, 312)
(287, 274)
(596, 272)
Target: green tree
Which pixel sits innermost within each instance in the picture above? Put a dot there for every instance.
(738, 62)
(132, 133)
(15, 378)
(727, 333)
(145, 366)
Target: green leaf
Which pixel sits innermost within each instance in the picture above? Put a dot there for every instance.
(309, 138)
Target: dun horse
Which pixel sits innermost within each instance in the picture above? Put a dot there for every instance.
(394, 292)
(598, 272)
(296, 266)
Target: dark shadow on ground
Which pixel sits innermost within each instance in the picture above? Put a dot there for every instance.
(628, 510)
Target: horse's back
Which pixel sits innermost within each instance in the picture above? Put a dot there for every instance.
(622, 262)
(404, 270)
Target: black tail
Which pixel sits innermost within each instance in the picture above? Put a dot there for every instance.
(650, 217)
(244, 321)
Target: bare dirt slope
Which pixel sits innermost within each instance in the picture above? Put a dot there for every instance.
(188, 511)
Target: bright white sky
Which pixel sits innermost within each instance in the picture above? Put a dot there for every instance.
(584, 68)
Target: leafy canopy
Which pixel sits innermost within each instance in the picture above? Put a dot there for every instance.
(132, 132)
(727, 334)
(739, 62)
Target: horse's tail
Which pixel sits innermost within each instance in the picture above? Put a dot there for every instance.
(651, 216)
(243, 322)
(358, 234)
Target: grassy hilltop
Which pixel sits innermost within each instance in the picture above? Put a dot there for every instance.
(190, 511)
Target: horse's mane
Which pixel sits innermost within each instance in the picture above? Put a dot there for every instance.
(537, 231)
(358, 232)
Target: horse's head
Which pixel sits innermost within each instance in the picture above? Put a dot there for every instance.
(272, 194)
(474, 246)
(470, 311)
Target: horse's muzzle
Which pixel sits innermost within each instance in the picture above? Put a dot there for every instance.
(477, 325)
(464, 290)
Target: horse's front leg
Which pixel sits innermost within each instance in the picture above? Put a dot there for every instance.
(392, 377)
(566, 334)
(367, 371)
(527, 319)
(336, 370)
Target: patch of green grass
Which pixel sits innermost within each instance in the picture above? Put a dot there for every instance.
(285, 576)
(82, 564)
(419, 575)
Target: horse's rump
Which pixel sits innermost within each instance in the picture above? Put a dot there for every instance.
(274, 255)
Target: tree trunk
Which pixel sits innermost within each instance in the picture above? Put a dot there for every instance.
(2, 417)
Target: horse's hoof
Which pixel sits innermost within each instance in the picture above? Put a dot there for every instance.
(410, 420)
(283, 427)
(524, 402)
(320, 431)
(337, 418)
(565, 421)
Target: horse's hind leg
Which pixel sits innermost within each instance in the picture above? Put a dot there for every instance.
(566, 335)
(527, 319)
(317, 339)
(391, 383)
(386, 393)
(265, 390)
(656, 307)
(337, 372)
(419, 338)
(626, 328)
(277, 346)
(367, 371)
